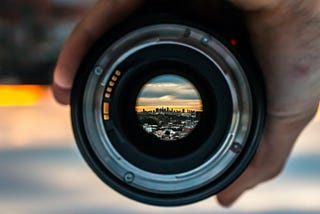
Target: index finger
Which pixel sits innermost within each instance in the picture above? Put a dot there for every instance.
(255, 5)
(100, 18)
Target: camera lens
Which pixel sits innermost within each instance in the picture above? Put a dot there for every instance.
(166, 113)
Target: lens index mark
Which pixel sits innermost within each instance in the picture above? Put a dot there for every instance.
(169, 107)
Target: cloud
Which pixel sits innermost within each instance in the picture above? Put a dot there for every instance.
(169, 79)
(169, 90)
(188, 97)
(175, 90)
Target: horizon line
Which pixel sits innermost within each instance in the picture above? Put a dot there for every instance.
(175, 108)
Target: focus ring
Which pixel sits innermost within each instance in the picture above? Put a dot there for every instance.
(211, 49)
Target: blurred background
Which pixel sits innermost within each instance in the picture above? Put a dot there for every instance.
(41, 170)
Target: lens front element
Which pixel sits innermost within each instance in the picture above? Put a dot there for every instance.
(169, 107)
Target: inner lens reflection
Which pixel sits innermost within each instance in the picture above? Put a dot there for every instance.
(169, 107)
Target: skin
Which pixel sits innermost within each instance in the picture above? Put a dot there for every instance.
(286, 38)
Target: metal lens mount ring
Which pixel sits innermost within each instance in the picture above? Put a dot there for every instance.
(209, 47)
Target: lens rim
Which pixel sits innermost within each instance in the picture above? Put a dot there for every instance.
(174, 198)
(219, 56)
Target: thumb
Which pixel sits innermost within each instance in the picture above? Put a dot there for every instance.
(279, 137)
(100, 18)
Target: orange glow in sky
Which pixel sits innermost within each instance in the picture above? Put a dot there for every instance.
(20, 95)
(175, 108)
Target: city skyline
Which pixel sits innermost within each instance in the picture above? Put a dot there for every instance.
(171, 108)
(169, 91)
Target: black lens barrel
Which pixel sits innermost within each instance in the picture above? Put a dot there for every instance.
(117, 118)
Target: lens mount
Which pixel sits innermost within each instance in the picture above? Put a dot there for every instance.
(103, 114)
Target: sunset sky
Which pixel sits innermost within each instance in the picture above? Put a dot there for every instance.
(169, 91)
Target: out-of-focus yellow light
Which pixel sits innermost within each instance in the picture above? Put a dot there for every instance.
(20, 95)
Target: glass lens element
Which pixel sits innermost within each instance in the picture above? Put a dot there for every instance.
(169, 107)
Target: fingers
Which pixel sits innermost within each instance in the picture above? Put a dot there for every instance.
(254, 5)
(103, 15)
(278, 139)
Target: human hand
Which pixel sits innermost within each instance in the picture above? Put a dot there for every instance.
(100, 18)
(286, 38)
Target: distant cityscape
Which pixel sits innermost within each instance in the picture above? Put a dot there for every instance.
(167, 123)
